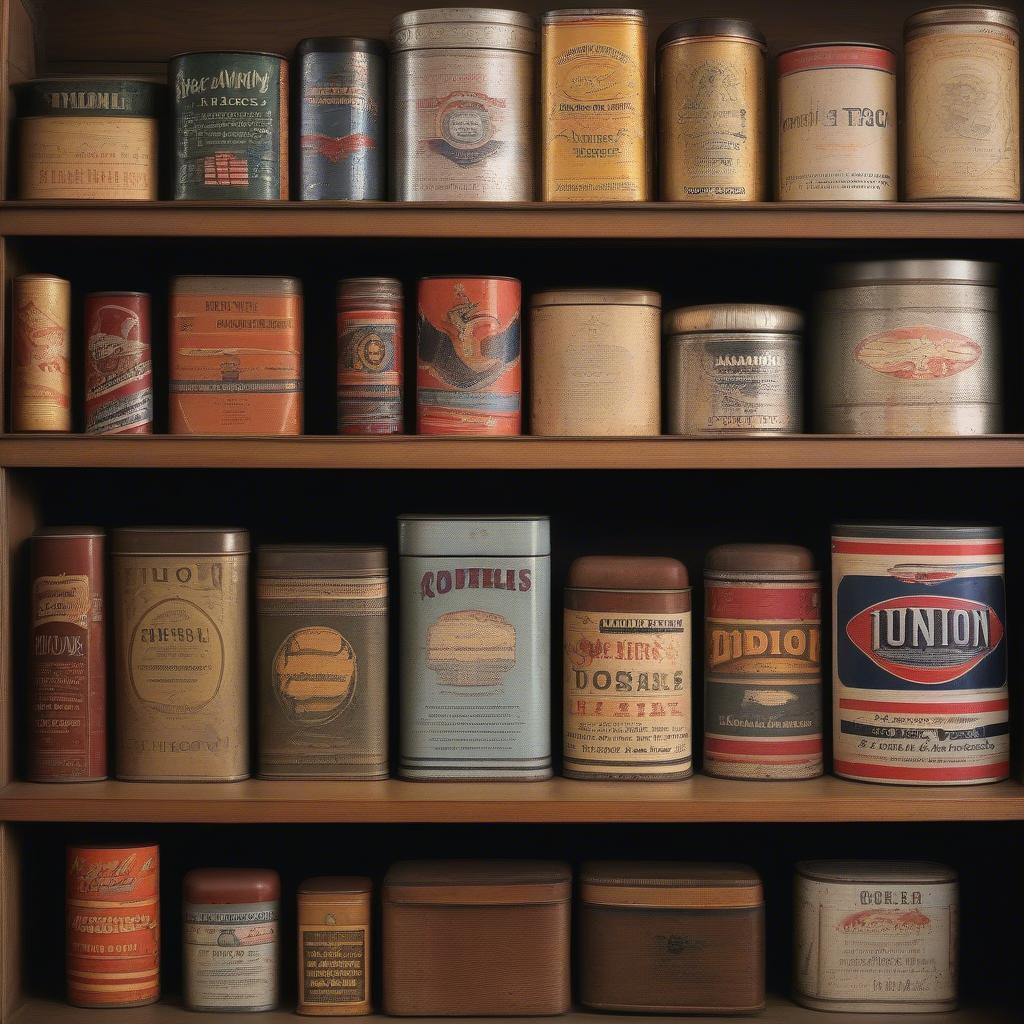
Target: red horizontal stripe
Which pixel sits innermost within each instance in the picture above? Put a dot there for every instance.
(966, 707)
(858, 547)
(882, 771)
(765, 746)
(810, 58)
(769, 604)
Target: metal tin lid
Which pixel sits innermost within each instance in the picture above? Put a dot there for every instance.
(67, 532)
(231, 885)
(179, 540)
(596, 297)
(494, 536)
(979, 272)
(701, 28)
(875, 871)
(919, 531)
(836, 55)
(341, 44)
(734, 316)
(192, 284)
(627, 572)
(82, 96)
(330, 884)
(759, 558)
(593, 13)
(371, 289)
(478, 882)
(961, 14)
(24, 278)
(838, 42)
(122, 294)
(350, 558)
(228, 53)
(468, 277)
(473, 28)
(670, 884)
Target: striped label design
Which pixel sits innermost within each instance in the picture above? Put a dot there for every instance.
(370, 372)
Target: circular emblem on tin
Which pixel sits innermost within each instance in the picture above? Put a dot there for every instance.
(314, 675)
(373, 351)
(464, 123)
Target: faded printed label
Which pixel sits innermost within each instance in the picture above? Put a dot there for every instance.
(749, 387)
(118, 371)
(332, 961)
(61, 599)
(41, 392)
(918, 353)
(370, 372)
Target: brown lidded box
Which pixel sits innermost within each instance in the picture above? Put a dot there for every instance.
(671, 937)
(470, 937)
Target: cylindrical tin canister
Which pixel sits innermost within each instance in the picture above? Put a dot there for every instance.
(712, 111)
(230, 938)
(118, 364)
(626, 669)
(370, 365)
(462, 105)
(919, 654)
(762, 663)
(468, 356)
(67, 663)
(322, 615)
(876, 936)
(475, 647)
(342, 103)
(837, 134)
(910, 347)
(334, 947)
(181, 653)
(595, 141)
(41, 354)
(962, 119)
(89, 137)
(592, 347)
(113, 925)
(230, 125)
(733, 370)
(236, 355)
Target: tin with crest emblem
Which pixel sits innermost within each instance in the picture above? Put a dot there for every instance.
(118, 364)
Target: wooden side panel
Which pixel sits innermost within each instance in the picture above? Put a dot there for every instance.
(17, 63)
(10, 924)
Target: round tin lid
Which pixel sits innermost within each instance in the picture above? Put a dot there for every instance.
(892, 271)
(469, 277)
(138, 97)
(369, 286)
(179, 540)
(42, 277)
(773, 558)
(700, 28)
(875, 871)
(671, 885)
(341, 44)
(734, 316)
(227, 53)
(666, 873)
(427, 536)
(231, 885)
(586, 13)
(111, 295)
(67, 532)
(919, 531)
(326, 884)
(322, 557)
(195, 284)
(627, 572)
(487, 28)
(837, 42)
(596, 297)
(478, 882)
(962, 14)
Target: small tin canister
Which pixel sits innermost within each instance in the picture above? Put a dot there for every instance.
(468, 356)
(475, 642)
(181, 653)
(712, 111)
(230, 125)
(462, 105)
(733, 370)
(626, 669)
(962, 118)
(919, 654)
(876, 936)
(837, 134)
(342, 118)
(595, 135)
(762, 663)
(910, 347)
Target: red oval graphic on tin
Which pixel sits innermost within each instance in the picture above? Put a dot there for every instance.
(920, 352)
(884, 921)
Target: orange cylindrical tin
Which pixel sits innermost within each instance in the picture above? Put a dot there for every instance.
(118, 364)
(468, 356)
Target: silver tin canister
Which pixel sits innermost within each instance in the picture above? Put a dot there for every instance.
(475, 639)
(463, 105)
(733, 369)
(910, 347)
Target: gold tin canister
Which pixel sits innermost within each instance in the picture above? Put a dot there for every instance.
(594, 114)
(712, 110)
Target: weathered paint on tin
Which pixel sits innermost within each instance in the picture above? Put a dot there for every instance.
(118, 364)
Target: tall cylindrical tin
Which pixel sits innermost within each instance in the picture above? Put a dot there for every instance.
(468, 356)
(712, 111)
(837, 134)
(370, 355)
(962, 119)
(462, 105)
(41, 354)
(118, 364)
(181, 653)
(919, 654)
(230, 125)
(475, 643)
(626, 669)
(595, 137)
(762, 663)
(113, 925)
(590, 348)
(343, 148)
(910, 347)
(67, 663)
(734, 370)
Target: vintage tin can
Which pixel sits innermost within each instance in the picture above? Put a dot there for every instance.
(919, 654)
(230, 125)
(41, 354)
(590, 347)
(370, 356)
(462, 105)
(67, 663)
(876, 936)
(118, 364)
(734, 370)
(910, 347)
(712, 111)
(837, 123)
(475, 647)
(230, 938)
(342, 118)
(93, 137)
(762, 663)
(626, 646)
(181, 653)
(322, 615)
(469, 356)
(962, 118)
(113, 925)
(595, 141)
(236, 355)
(334, 947)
